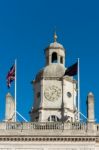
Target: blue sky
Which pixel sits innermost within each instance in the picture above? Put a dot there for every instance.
(26, 29)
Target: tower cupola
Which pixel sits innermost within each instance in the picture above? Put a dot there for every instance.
(55, 52)
(54, 93)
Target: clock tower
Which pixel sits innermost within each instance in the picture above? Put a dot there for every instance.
(54, 93)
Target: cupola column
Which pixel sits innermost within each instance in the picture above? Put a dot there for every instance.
(50, 59)
(58, 59)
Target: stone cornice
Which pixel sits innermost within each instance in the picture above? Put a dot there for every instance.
(41, 108)
(59, 109)
(67, 78)
(52, 47)
(48, 139)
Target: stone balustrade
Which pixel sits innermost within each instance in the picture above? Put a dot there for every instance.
(43, 126)
(34, 126)
(39, 126)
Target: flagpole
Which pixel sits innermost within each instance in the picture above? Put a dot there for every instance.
(78, 90)
(15, 86)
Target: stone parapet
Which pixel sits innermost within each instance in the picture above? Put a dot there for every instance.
(49, 129)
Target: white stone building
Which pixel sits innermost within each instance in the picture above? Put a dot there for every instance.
(55, 124)
(55, 94)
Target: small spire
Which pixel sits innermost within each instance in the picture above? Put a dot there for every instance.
(55, 37)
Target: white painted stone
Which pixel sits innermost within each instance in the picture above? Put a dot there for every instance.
(54, 95)
(10, 108)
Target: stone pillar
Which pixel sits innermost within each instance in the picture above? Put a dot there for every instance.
(10, 108)
(58, 58)
(49, 59)
(90, 108)
(64, 60)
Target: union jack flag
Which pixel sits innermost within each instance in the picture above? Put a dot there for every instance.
(10, 76)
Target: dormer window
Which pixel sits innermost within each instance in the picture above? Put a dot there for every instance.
(54, 57)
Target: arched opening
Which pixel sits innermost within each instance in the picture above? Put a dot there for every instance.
(53, 118)
(54, 57)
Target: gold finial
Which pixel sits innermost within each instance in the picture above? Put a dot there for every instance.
(55, 37)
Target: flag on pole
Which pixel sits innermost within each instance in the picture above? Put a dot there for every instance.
(72, 70)
(10, 76)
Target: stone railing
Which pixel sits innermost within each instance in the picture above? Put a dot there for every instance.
(43, 126)
(78, 126)
(34, 126)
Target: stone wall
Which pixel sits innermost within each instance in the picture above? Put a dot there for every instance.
(47, 146)
(49, 136)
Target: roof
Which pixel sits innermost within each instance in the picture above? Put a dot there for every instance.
(53, 70)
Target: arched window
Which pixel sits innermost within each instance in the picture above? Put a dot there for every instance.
(53, 118)
(54, 57)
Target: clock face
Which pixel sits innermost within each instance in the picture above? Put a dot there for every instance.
(52, 93)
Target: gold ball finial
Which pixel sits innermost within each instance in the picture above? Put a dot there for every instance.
(55, 37)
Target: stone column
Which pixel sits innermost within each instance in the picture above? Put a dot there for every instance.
(10, 108)
(49, 59)
(64, 60)
(90, 108)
